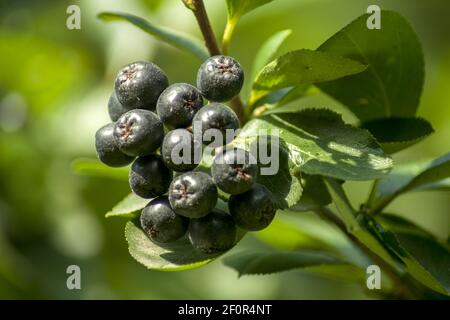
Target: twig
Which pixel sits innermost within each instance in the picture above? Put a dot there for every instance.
(198, 8)
(404, 286)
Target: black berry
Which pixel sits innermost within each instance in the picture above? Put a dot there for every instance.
(220, 78)
(139, 85)
(214, 233)
(178, 104)
(115, 108)
(149, 177)
(219, 118)
(178, 150)
(161, 223)
(253, 210)
(193, 194)
(138, 132)
(234, 170)
(107, 150)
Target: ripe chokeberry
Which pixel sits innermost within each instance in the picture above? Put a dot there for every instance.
(216, 118)
(139, 84)
(253, 210)
(220, 78)
(107, 150)
(213, 233)
(161, 223)
(149, 177)
(178, 104)
(115, 108)
(193, 194)
(234, 170)
(138, 132)
(178, 150)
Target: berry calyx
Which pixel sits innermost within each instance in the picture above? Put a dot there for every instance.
(193, 194)
(138, 132)
(220, 78)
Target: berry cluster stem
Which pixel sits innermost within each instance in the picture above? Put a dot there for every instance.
(199, 10)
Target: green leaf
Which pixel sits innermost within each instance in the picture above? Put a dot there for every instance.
(320, 143)
(392, 85)
(238, 8)
(426, 259)
(283, 235)
(268, 50)
(396, 134)
(129, 207)
(302, 67)
(344, 272)
(357, 224)
(247, 263)
(315, 194)
(416, 176)
(178, 40)
(175, 256)
(442, 185)
(94, 168)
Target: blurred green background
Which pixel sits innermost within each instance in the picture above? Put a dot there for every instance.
(54, 87)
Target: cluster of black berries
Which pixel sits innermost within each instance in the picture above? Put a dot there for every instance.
(144, 106)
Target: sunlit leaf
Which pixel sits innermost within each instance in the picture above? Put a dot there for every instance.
(415, 176)
(174, 256)
(320, 143)
(268, 50)
(237, 8)
(129, 207)
(392, 84)
(302, 67)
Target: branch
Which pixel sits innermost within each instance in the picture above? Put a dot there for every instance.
(406, 288)
(198, 8)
